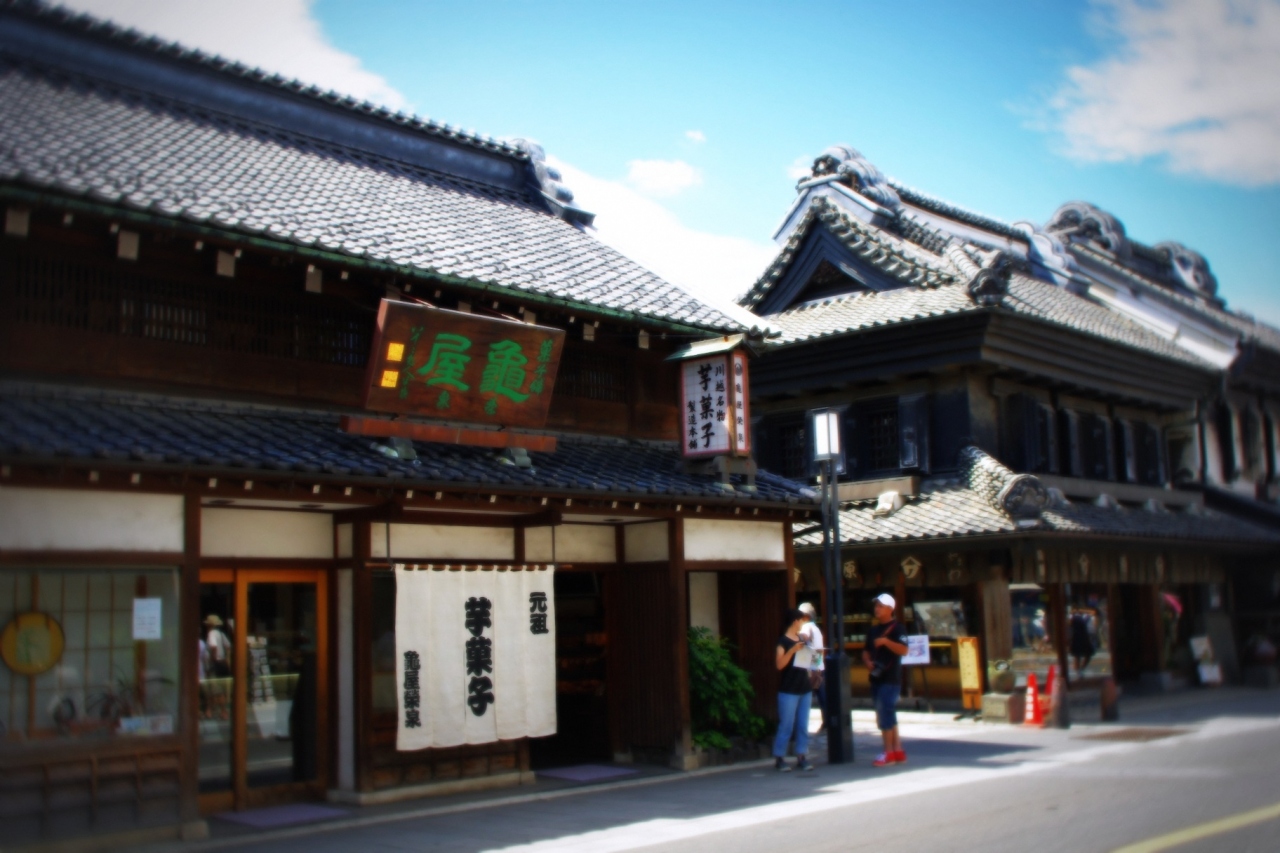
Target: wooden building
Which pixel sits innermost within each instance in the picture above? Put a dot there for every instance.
(199, 518)
(1022, 445)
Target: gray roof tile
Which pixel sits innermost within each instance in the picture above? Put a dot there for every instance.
(969, 505)
(85, 137)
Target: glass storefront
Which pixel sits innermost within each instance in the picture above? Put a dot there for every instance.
(88, 653)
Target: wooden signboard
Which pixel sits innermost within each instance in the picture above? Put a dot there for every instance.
(461, 367)
(713, 397)
(970, 672)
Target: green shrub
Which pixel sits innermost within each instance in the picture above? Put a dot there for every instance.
(720, 693)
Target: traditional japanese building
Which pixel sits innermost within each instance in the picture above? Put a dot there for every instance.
(277, 366)
(1028, 418)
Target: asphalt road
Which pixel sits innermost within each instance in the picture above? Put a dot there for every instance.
(966, 788)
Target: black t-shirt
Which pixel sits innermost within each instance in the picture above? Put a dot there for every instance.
(793, 679)
(883, 661)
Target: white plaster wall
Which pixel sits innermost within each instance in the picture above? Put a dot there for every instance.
(713, 539)
(645, 543)
(70, 520)
(704, 601)
(583, 543)
(265, 533)
(442, 542)
(344, 540)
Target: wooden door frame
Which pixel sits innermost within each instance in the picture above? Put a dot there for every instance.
(241, 796)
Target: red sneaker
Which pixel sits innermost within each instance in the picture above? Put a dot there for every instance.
(900, 757)
(884, 759)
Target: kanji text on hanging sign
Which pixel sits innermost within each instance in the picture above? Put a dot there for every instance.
(462, 367)
(714, 418)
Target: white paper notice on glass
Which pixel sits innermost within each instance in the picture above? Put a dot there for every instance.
(146, 619)
(917, 650)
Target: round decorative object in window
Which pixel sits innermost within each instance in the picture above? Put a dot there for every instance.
(32, 643)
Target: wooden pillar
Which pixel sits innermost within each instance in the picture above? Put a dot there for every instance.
(361, 628)
(1058, 625)
(678, 598)
(188, 672)
(997, 618)
(789, 557)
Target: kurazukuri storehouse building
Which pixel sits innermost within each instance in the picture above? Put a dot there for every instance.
(337, 458)
(1034, 423)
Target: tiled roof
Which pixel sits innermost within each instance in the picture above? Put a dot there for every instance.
(39, 424)
(888, 253)
(84, 137)
(106, 31)
(976, 503)
(1027, 297)
(1247, 327)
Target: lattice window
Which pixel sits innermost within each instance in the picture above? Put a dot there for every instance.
(74, 294)
(881, 423)
(592, 375)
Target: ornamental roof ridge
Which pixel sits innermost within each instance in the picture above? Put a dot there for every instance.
(945, 208)
(1019, 496)
(128, 37)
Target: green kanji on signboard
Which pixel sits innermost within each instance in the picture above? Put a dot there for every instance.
(447, 362)
(505, 373)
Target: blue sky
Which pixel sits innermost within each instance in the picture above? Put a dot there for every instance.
(680, 123)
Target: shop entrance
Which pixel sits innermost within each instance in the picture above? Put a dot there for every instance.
(582, 712)
(263, 687)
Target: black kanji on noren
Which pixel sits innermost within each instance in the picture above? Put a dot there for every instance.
(479, 615)
(412, 696)
(538, 613)
(479, 655)
(481, 697)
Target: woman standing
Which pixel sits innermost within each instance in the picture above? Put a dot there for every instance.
(794, 695)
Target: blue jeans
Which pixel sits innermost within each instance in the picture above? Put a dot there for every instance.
(886, 700)
(793, 716)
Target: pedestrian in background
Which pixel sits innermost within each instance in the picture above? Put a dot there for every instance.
(794, 694)
(811, 636)
(886, 644)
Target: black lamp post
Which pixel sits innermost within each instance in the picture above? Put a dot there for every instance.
(826, 453)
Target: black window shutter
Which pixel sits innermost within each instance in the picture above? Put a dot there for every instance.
(1069, 442)
(1017, 453)
(1047, 459)
(913, 432)
(849, 442)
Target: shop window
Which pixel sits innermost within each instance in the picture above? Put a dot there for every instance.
(89, 654)
(1033, 641)
(1148, 455)
(1088, 631)
(1097, 450)
(882, 437)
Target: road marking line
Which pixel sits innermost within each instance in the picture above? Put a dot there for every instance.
(1204, 830)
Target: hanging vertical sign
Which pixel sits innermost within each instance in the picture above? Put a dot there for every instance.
(714, 420)
(475, 656)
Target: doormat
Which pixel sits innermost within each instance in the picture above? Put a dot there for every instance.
(586, 772)
(1135, 735)
(277, 816)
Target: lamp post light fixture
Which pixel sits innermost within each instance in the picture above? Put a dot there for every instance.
(830, 462)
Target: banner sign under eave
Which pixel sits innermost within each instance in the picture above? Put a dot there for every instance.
(475, 656)
(461, 367)
(714, 418)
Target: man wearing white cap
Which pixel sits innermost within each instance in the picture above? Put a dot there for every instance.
(811, 636)
(886, 644)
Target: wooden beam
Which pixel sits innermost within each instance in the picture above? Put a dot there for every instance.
(735, 565)
(442, 434)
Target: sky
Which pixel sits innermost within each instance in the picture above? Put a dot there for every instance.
(684, 126)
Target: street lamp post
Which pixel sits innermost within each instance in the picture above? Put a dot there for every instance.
(826, 452)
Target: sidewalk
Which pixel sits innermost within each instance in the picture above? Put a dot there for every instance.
(936, 740)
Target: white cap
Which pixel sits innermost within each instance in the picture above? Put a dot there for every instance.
(887, 600)
(808, 608)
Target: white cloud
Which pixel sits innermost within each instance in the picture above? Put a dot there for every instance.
(281, 36)
(1192, 81)
(696, 135)
(801, 167)
(662, 178)
(713, 267)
